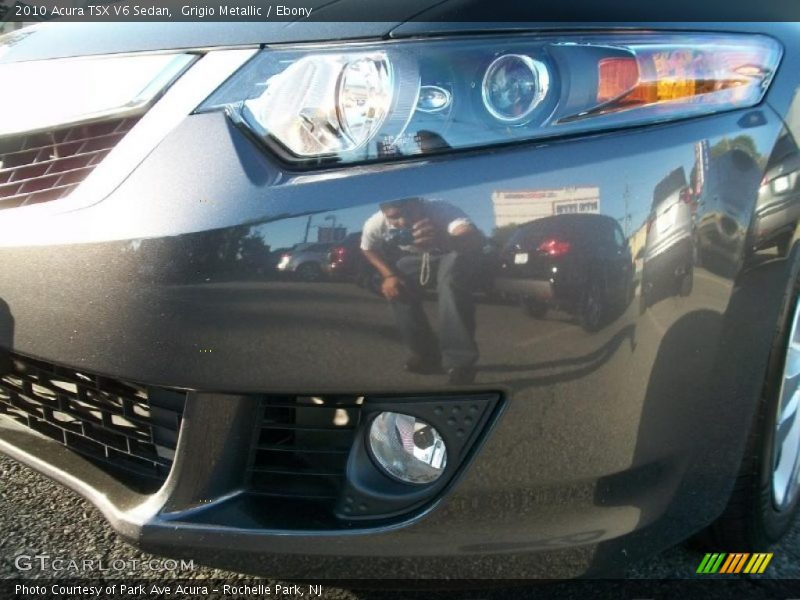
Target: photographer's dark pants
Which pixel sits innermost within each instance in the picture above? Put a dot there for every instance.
(455, 277)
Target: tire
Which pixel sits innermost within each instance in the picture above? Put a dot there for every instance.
(644, 294)
(751, 520)
(783, 245)
(309, 272)
(697, 259)
(628, 293)
(593, 309)
(686, 282)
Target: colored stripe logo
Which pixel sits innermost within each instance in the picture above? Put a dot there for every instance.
(737, 562)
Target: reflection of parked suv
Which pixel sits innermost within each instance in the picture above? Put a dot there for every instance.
(305, 261)
(669, 247)
(579, 263)
(725, 208)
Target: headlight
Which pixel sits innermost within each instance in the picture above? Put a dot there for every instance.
(284, 262)
(387, 100)
(783, 184)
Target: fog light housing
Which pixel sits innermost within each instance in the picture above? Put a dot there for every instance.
(407, 448)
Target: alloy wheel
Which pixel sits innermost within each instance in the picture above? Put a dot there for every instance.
(786, 445)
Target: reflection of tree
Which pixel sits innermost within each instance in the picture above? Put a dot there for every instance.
(254, 253)
(235, 251)
(231, 250)
(745, 143)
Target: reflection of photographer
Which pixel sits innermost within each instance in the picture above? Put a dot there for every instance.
(430, 235)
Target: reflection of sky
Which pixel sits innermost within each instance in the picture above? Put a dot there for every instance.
(640, 174)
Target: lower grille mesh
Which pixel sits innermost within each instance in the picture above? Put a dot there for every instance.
(40, 167)
(130, 429)
(301, 451)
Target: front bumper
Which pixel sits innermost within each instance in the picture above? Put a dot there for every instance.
(595, 452)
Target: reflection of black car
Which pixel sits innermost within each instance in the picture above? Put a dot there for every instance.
(577, 263)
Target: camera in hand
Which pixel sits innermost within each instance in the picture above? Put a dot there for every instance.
(400, 237)
(423, 438)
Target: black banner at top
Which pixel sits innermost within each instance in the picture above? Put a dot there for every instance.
(506, 11)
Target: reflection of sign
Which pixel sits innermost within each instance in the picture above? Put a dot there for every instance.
(576, 206)
(523, 206)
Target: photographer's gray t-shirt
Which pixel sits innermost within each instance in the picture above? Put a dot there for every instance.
(443, 215)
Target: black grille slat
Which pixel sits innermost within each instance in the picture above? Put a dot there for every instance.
(292, 427)
(300, 471)
(42, 167)
(294, 487)
(47, 429)
(129, 428)
(286, 448)
(289, 496)
(301, 452)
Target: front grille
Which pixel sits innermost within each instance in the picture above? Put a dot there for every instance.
(300, 454)
(128, 429)
(40, 167)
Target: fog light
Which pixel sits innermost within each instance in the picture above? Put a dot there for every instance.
(407, 448)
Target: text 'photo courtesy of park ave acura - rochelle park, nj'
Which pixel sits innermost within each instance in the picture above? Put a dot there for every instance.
(422, 300)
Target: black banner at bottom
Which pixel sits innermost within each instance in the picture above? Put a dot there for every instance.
(85, 589)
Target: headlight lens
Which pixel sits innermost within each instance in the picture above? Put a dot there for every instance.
(325, 104)
(513, 86)
(387, 100)
(407, 448)
(363, 97)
